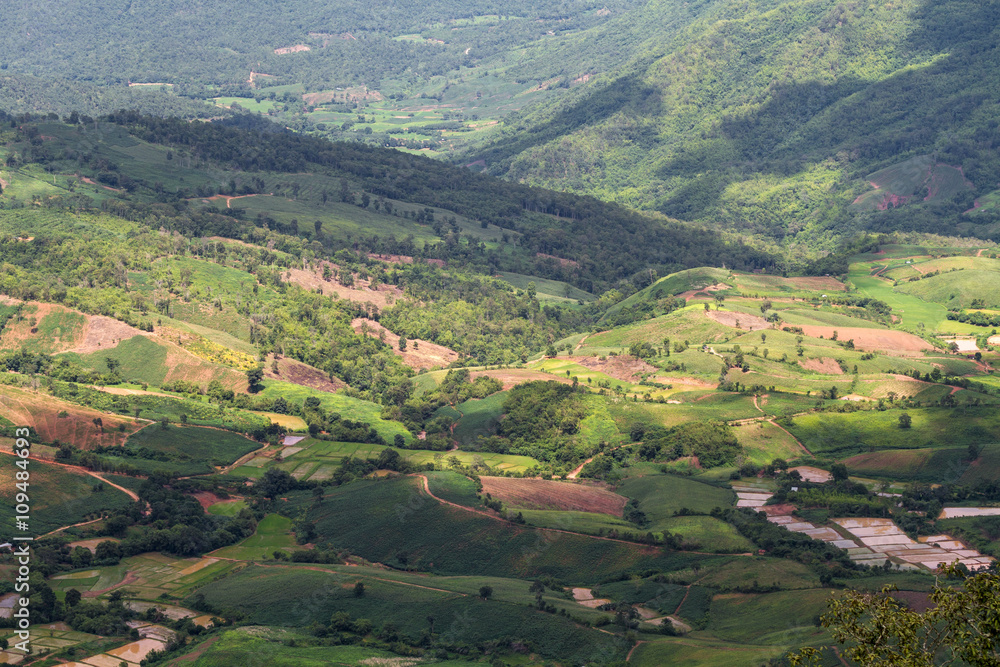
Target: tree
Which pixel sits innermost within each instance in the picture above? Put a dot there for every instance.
(254, 376)
(959, 628)
(485, 592)
(839, 472)
(402, 343)
(905, 421)
(73, 597)
(359, 589)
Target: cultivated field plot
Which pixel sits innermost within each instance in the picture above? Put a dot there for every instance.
(929, 465)
(274, 533)
(543, 494)
(660, 496)
(60, 496)
(212, 446)
(55, 419)
(763, 442)
(329, 454)
(149, 575)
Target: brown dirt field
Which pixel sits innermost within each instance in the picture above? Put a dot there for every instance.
(91, 544)
(690, 294)
(897, 343)
(778, 510)
(738, 320)
(17, 334)
(206, 499)
(818, 283)
(547, 494)
(392, 259)
(384, 296)
(916, 601)
(183, 365)
(40, 411)
(510, 377)
(897, 460)
(101, 333)
(423, 355)
(621, 367)
(285, 50)
(296, 372)
(824, 365)
(562, 261)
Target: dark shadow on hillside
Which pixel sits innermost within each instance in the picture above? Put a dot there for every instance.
(628, 93)
(876, 124)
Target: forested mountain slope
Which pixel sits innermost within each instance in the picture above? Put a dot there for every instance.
(770, 116)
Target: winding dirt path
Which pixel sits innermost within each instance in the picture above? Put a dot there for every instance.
(797, 442)
(131, 494)
(427, 490)
(628, 658)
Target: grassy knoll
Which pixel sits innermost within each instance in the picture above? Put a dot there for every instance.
(296, 597)
(842, 435)
(660, 496)
(453, 487)
(943, 466)
(227, 508)
(59, 497)
(782, 618)
(986, 467)
(957, 289)
(479, 418)
(689, 323)
(704, 533)
(354, 409)
(763, 442)
(549, 288)
(328, 455)
(391, 520)
(747, 572)
(273, 534)
(702, 653)
(247, 646)
(192, 443)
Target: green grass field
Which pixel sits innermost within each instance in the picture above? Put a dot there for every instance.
(289, 596)
(782, 618)
(58, 497)
(347, 407)
(763, 442)
(842, 435)
(390, 520)
(273, 534)
(660, 496)
(479, 418)
(192, 444)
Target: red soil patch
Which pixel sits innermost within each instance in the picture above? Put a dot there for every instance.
(77, 428)
(778, 510)
(418, 353)
(206, 499)
(102, 333)
(296, 372)
(900, 460)
(17, 334)
(825, 365)
(818, 283)
(703, 291)
(513, 377)
(916, 601)
(546, 494)
(562, 261)
(621, 367)
(892, 342)
(392, 259)
(738, 320)
(384, 296)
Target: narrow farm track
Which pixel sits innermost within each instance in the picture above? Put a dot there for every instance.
(427, 490)
(759, 409)
(367, 576)
(72, 525)
(131, 494)
(797, 442)
(579, 468)
(628, 658)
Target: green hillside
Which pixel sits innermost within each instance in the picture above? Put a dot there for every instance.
(776, 117)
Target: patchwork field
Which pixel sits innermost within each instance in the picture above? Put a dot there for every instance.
(543, 494)
(54, 419)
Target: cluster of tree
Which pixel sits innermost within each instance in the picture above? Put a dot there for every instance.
(978, 319)
(713, 442)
